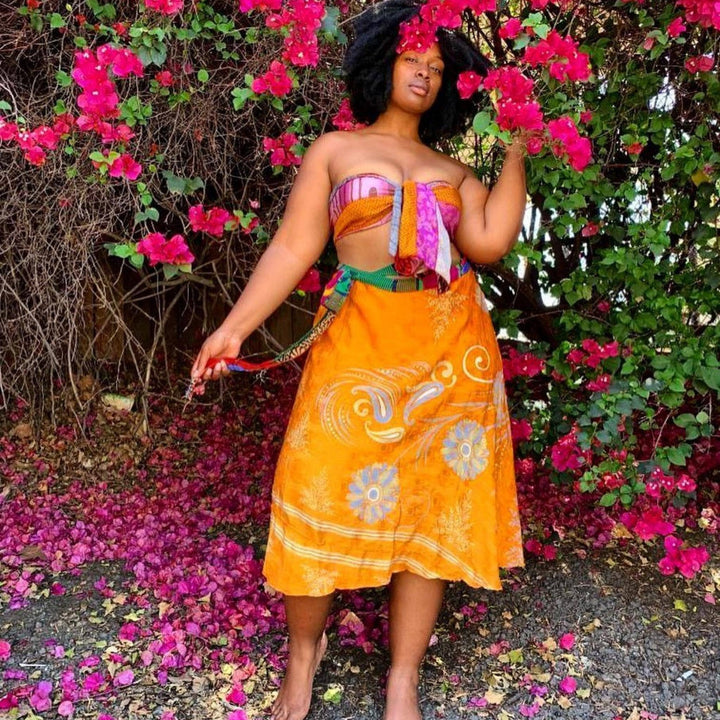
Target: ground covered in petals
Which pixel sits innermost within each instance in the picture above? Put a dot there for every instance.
(131, 587)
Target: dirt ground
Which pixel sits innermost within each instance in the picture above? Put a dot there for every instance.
(646, 646)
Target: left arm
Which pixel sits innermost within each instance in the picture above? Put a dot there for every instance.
(491, 220)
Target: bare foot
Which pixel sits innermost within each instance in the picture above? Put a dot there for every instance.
(293, 698)
(401, 701)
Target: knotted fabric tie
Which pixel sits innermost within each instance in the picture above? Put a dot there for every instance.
(419, 237)
(419, 240)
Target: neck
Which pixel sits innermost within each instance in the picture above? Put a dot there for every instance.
(395, 121)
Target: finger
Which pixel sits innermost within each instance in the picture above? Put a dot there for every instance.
(218, 370)
(199, 364)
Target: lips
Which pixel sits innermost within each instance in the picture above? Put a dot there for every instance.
(420, 89)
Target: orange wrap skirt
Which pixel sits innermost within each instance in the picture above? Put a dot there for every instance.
(398, 455)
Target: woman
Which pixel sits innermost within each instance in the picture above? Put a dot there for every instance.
(397, 463)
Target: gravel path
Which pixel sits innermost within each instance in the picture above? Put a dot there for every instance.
(645, 646)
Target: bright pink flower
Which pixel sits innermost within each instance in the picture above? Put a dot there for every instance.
(40, 697)
(514, 115)
(126, 62)
(568, 685)
(280, 149)
(603, 306)
(94, 682)
(511, 29)
(9, 701)
(237, 715)
(166, 7)
(652, 523)
(125, 166)
(124, 677)
(699, 63)
(510, 83)
(120, 133)
(520, 430)
(246, 6)
(521, 364)
(310, 282)
(63, 124)
(128, 631)
(676, 28)
(586, 116)
(212, 222)
(529, 710)
(534, 145)
(600, 384)
(566, 641)
(165, 78)
(688, 561)
(65, 708)
(45, 136)
(703, 12)
(276, 81)
(568, 142)
(344, 118)
(36, 156)
(159, 250)
(590, 229)
(89, 71)
(4, 650)
(565, 454)
(468, 83)
(420, 32)
(686, 484)
(236, 696)
(8, 130)
(102, 100)
(561, 55)
(575, 357)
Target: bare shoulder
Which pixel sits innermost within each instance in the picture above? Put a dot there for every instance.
(327, 144)
(453, 168)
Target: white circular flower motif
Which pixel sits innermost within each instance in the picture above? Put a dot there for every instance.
(465, 449)
(373, 492)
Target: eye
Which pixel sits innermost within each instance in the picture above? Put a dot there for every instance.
(411, 59)
(437, 70)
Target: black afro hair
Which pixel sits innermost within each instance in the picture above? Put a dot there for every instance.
(369, 61)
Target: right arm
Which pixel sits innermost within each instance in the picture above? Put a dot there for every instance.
(295, 247)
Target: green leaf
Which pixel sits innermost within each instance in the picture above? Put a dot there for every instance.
(333, 694)
(711, 377)
(170, 271)
(675, 456)
(481, 122)
(63, 79)
(608, 499)
(203, 75)
(56, 20)
(180, 185)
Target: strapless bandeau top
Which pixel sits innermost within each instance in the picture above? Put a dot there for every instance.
(423, 218)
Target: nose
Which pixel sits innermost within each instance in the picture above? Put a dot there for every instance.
(423, 70)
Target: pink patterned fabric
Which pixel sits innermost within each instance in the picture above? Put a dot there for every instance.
(365, 185)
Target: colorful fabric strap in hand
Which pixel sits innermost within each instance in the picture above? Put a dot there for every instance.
(333, 297)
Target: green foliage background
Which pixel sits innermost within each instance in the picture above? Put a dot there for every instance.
(66, 308)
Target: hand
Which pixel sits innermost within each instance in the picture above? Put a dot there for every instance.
(218, 345)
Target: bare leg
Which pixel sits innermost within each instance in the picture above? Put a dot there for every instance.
(306, 617)
(414, 607)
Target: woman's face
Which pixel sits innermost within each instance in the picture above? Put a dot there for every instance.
(417, 78)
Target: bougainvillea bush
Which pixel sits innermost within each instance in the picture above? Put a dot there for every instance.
(148, 148)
